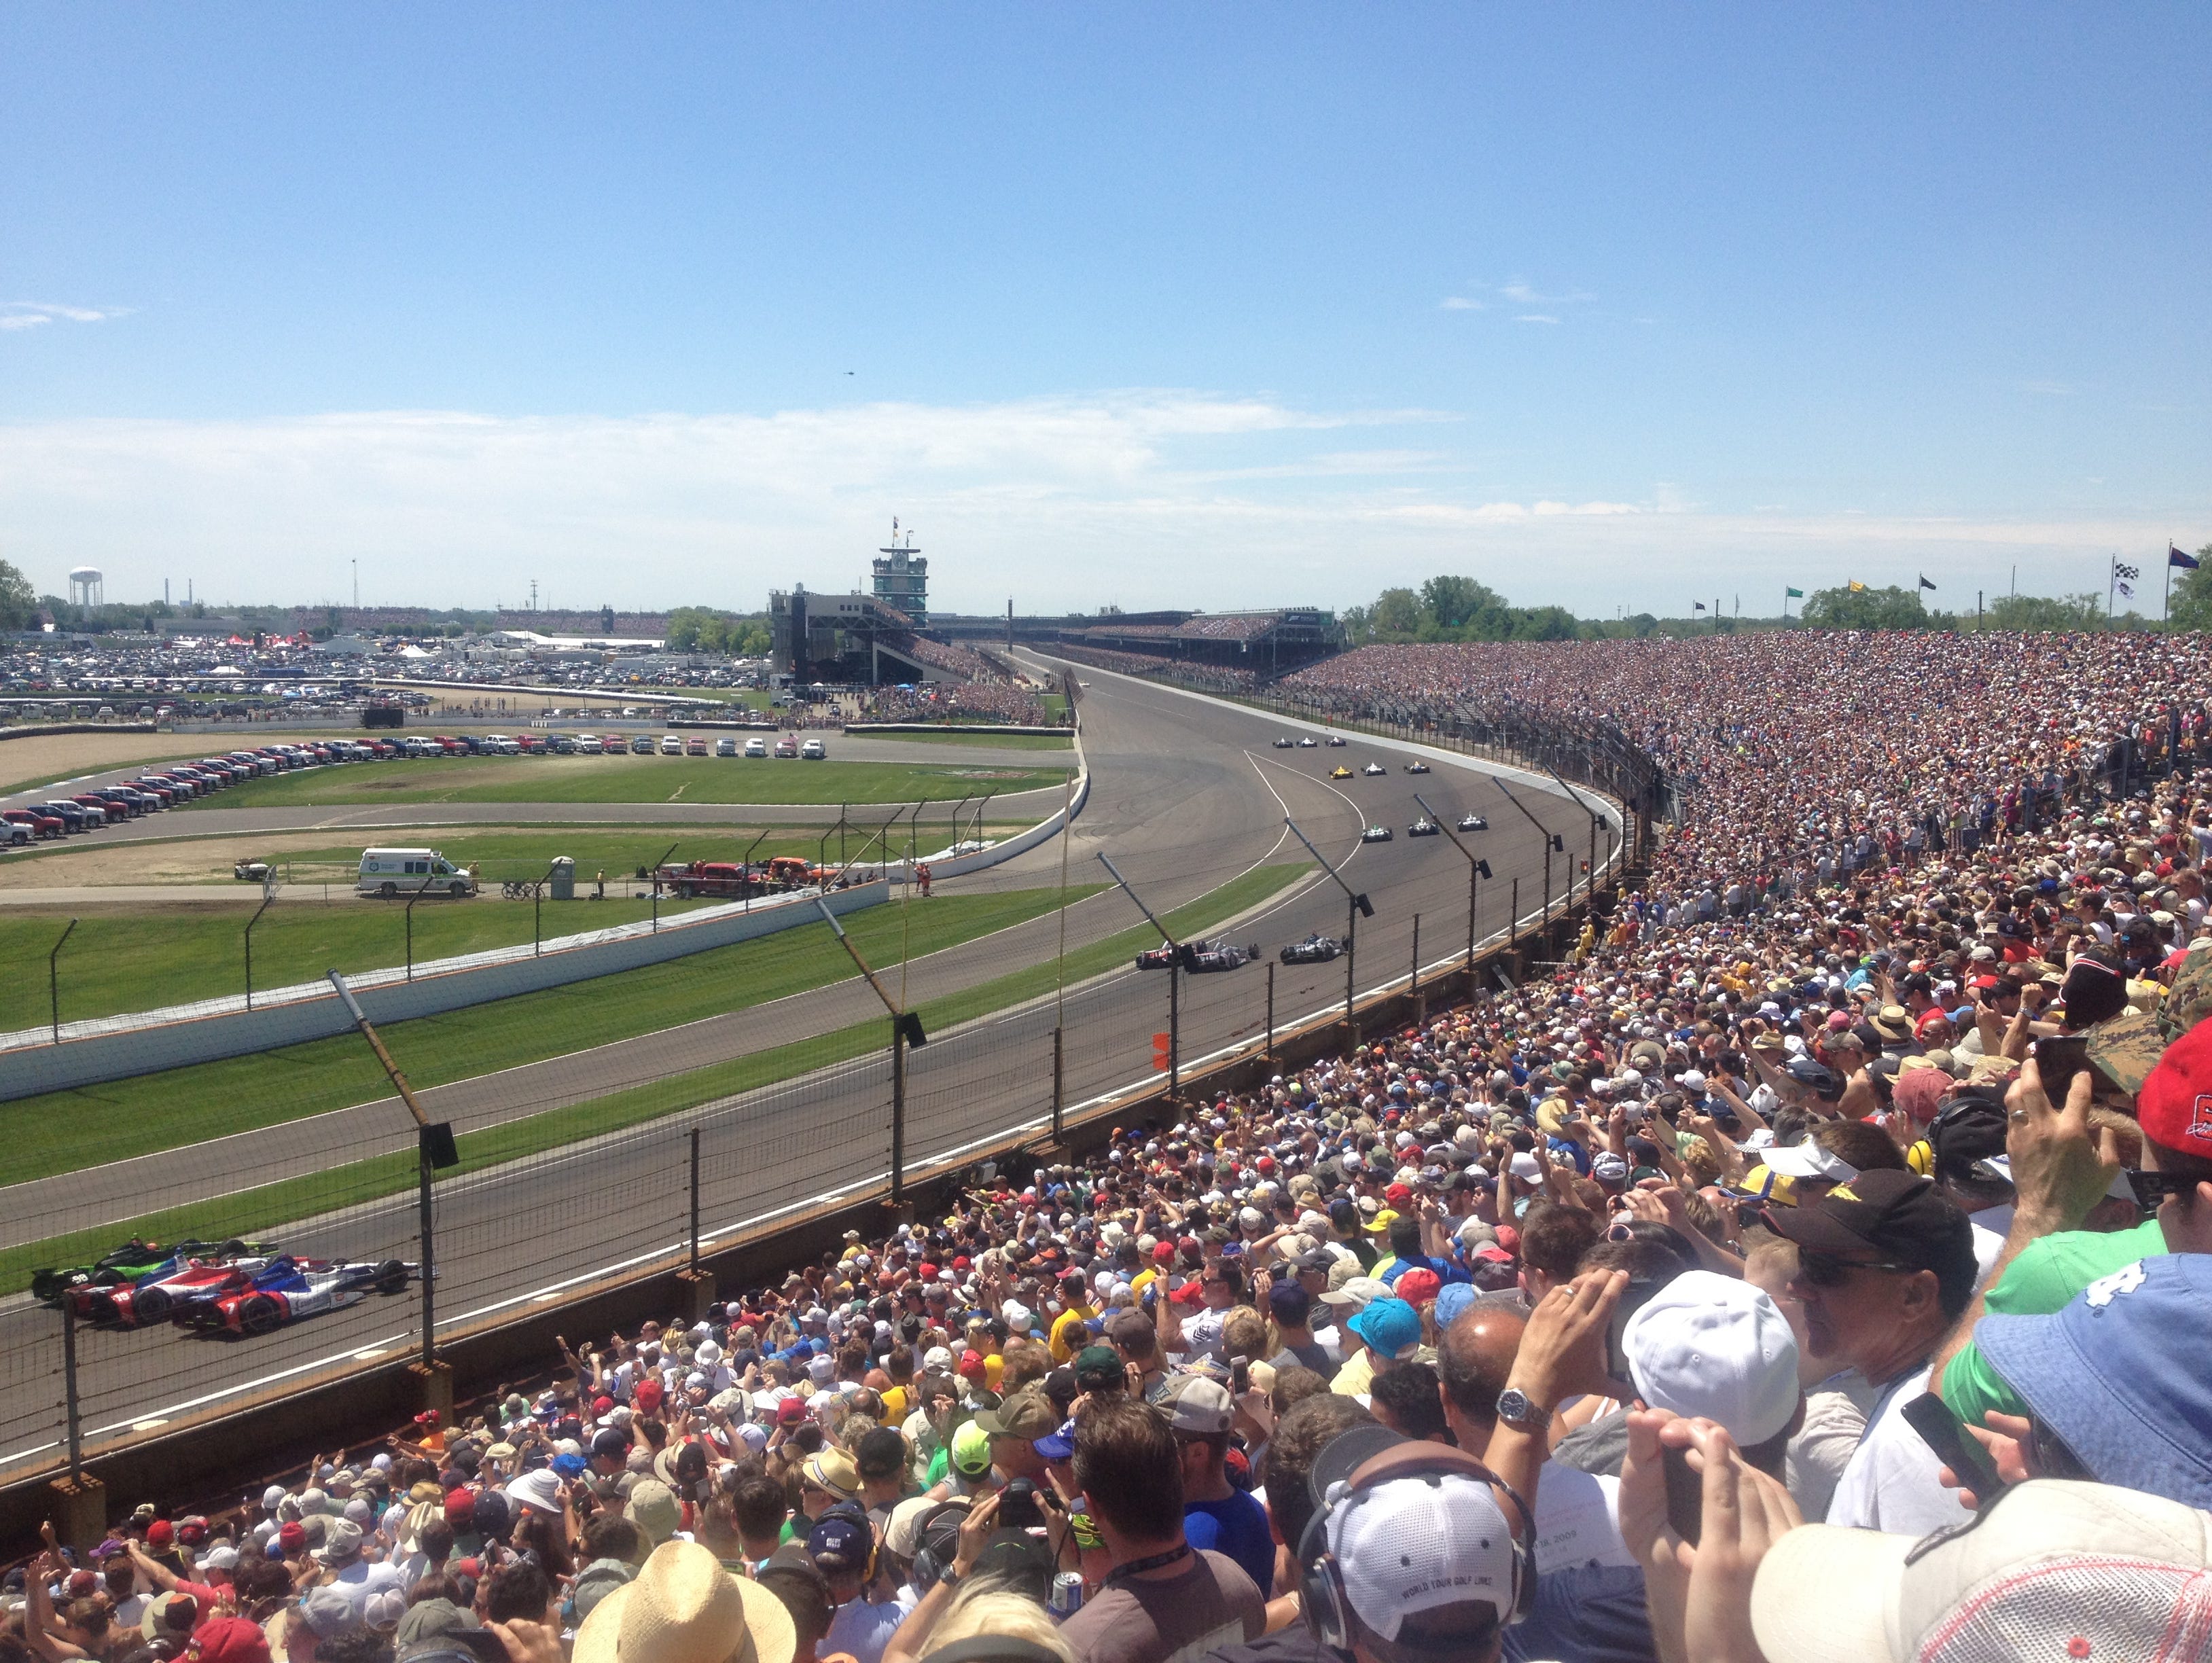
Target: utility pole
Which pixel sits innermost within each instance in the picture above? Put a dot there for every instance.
(1476, 867)
(1553, 842)
(434, 1149)
(906, 1029)
(1175, 976)
(1356, 906)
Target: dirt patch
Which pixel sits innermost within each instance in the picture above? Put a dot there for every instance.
(64, 756)
(194, 860)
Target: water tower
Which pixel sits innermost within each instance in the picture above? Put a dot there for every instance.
(86, 588)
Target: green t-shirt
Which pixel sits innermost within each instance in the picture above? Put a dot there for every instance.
(2043, 1280)
(938, 1464)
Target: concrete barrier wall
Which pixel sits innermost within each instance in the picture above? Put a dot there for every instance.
(208, 1038)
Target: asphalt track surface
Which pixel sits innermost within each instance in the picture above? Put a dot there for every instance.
(1186, 793)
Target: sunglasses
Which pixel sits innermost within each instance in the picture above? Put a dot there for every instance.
(1821, 1269)
(2153, 1187)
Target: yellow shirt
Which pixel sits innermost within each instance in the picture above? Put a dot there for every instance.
(894, 1406)
(1355, 1379)
(1070, 1332)
(1141, 1281)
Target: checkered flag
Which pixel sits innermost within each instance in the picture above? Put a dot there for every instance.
(2129, 572)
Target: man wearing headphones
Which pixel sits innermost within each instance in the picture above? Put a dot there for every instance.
(1415, 1553)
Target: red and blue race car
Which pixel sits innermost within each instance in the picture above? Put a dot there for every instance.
(152, 1296)
(288, 1289)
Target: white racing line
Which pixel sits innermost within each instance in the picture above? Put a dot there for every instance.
(147, 1421)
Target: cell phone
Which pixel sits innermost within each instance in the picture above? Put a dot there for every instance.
(1942, 1432)
(1633, 1298)
(2058, 1059)
(1240, 1375)
(1685, 1495)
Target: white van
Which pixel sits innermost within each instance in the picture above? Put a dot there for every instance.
(388, 873)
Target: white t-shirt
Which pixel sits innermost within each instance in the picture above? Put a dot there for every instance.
(1891, 1482)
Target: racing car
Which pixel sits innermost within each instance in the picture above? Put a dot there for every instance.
(155, 1296)
(1417, 767)
(1424, 827)
(288, 1290)
(1308, 743)
(134, 1260)
(1315, 948)
(1374, 768)
(1376, 834)
(1333, 740)
(1339, 772)
(1284, 742)
(1473, 822)
(1217, 955)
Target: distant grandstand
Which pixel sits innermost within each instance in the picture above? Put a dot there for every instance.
(1232, 646)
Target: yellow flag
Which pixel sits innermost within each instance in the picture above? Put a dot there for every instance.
(1856, 586)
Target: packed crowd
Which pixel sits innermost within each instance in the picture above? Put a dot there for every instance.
(1820, 1273)
(1207, 678)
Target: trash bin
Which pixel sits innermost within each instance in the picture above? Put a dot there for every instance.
(564, 878)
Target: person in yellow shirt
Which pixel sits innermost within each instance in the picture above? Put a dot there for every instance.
(1071, 1330)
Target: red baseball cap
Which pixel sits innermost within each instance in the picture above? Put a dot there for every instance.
(649, 1395)
(791, 1412)
(1163, 1252)
(1417, 1287)
(160, 1533)
(1397, 1195)
(230, 1640)
(460, 1509)
(971, 1364)
(2175, 1104)
(292, 1537)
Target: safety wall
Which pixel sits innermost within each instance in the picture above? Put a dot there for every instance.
(150, 1048)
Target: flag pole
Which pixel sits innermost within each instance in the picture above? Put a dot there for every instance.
(2111, 577)
(2166, 601)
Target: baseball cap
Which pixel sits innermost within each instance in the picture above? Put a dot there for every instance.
(1096, 1366)
(653, 1510)
(1028, 1415)
(1412, 1544)
(1898, 1215)
(1390, 1327)
(1715, 1346)
(839, 1545)
(1807, 1159)
(971, 1450)
(230, 1640)
(1357, 1293)
(2052, 1569)
(1289, 1304)
(1196, 1405)
(2175, 1104)
(2122, 1374)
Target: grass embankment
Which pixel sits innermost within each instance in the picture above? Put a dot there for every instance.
(64, 1131)
(260, 1208)
(627, 779)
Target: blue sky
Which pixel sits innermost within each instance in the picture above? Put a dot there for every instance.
(1152, 306)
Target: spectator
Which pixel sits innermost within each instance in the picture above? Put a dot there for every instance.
(1162, 1599)
(1216, 1514)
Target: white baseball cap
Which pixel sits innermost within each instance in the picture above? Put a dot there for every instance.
(1715, 1346)
(2052, 1569)
(1807, 1159)
(1417, 1544)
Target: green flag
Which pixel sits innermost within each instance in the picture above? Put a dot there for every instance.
(1795, 594)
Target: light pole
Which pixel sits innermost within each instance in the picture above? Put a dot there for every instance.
(906, 1029)
(1553, 843)
(1175, 977)
(1356, 906)
(1597, 819)
(1476, 867)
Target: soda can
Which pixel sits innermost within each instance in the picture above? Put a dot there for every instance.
(1067, 1593)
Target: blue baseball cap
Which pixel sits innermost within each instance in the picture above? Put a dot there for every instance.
(1453, 1300)
(1391, 1327)
(2122, 1374)
(1058, 1445)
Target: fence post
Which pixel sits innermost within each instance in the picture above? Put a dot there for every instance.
(1175, 1030)
(1057, 1087)
(695, 1200)
(1415, 990)
(68, 1390)
(1270, 1052)
(54, 980)
(898, 1114)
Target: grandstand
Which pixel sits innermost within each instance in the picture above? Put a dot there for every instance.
(1226, 647)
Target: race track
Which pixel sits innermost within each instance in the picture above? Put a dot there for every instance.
(1185, 793)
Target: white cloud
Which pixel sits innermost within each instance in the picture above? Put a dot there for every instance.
(1521, 294)
(34, 315)
(1535, 318)
(1463, 303)
(1141, 498)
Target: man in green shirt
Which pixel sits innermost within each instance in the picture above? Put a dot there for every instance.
(2061, 1170)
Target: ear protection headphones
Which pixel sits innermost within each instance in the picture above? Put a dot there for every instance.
(928, 1571)
(1963, 1101)
(1327, 1607)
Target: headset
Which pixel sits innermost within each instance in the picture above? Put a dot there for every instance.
(1964, 1100)
(928, 1571)
(1327, 1607)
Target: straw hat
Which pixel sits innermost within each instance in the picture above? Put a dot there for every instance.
(685, 1608)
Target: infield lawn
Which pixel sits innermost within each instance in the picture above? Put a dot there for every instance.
(630, 780)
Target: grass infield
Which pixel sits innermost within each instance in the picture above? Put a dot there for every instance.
(249, 1212)
(629, 779)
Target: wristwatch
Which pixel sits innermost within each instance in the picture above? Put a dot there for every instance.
(1516, 1409)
